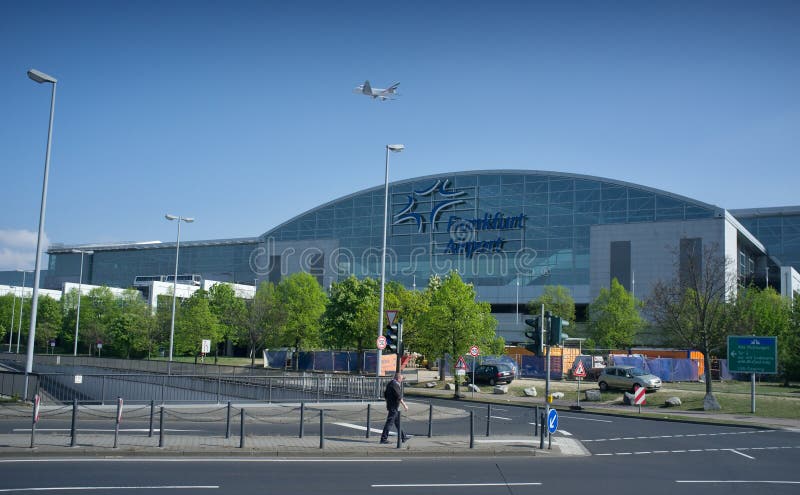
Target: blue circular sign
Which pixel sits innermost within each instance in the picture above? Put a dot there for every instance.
(552, 421)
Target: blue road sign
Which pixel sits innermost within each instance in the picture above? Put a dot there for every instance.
(552, 421)
(752, 354)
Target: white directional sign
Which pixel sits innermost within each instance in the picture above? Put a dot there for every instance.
(206, 346)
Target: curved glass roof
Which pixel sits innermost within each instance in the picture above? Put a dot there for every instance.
(492, 226)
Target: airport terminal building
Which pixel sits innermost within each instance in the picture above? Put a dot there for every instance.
(509, 232)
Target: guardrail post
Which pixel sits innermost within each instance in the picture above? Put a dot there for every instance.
(319, 384)
(472, 429)
(541, 431)
(241, 428)
(302, 417)
(219, 382)
(322, 428)
(369, 409)
(399, 428)
(488, 419)
(430, 419)
(103, 392)
(536, 421)
(161, 427)
(270, 390)
(152, 411)
(228, 421)
(74, 419)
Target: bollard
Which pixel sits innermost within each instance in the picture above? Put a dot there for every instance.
(369, 408)
(322, 428)
(488, 419)
(35, 418)
(241, 428)
(74, 419)
(399, 428)
(119, 418)
(161, 427)
(541, 432)
(472, 429)
(152, 411)
(430, 419)
(302, 415)
(228, 422)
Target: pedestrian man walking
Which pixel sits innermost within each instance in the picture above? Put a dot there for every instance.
(394, 399)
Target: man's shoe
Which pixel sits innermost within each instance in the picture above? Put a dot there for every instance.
(407, 438)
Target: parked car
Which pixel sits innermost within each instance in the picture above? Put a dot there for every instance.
(627, 378)
(492, 374)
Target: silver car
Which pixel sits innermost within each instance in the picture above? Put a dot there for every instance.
(627, 378)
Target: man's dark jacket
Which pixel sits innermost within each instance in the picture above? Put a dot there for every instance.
(393, 394)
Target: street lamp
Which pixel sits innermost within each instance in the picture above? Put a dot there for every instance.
(397, 148)
(175, 282)
(39, 77)
(78, 311)
(21, 306)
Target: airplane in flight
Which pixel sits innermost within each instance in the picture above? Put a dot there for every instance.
(383, 94)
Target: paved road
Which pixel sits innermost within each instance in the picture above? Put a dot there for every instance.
(708, 474)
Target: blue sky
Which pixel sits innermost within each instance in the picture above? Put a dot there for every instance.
(242, 115)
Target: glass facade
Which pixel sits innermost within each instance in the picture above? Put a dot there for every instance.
(496, 228)
(778, 229)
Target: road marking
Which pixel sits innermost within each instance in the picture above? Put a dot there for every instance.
(676, 436)
(81, 488)
(771, 482)
(508, 440)
(363, 428)
(437, 485)
(565, 433)
(741, 454)
(500, 417)
(588, 419)
(102, 430)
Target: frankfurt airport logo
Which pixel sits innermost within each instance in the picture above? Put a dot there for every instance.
(443, 198)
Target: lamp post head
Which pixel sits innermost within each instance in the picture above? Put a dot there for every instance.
(184, 219)
(397, 148)
(41, 77)
(188, 220)
(170, 217)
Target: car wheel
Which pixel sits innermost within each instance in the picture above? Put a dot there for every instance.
(492, 381)
(603, 386)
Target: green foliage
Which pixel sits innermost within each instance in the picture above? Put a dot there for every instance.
(455, 320)
(351, 316)
(194, 322)
(264, 318)
(614, 318)
(303, 301)
(789, 345)
(230, 311)
(48, 320)
(556, 299)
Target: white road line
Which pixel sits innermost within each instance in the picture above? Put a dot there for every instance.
(640, 453)
(508, 440)
(81, 488)
(500, 417)
(771, 482)
(604, 454)
(741, 454)
(565, 433)
(436, 485)
(101, 430)
(588, 419)
(363, 428)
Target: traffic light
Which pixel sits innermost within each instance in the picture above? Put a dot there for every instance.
(554, 335)
(392, 339)
(535, 335)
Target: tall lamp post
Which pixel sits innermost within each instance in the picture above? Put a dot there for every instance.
(397, 148)
(21, 306)
(39, 77)
(175, 283)
(78, 311)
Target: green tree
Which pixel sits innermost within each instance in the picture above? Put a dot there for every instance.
(454, 321)
(614, 317)
(264, 317)
(412, 305)
(351, 315)
(303, 302)
(48, 321)
(132, 327)
(691, 308)
(765, 312)
(195, 322)
(230, 312)
(789, 345)
(96, 316)
(556, 299)
(8, 307)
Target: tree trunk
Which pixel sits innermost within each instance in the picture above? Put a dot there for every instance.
(710, 402)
